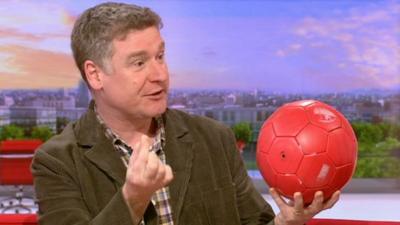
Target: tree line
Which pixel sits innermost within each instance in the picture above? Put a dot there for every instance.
(378, 150)
(378, 144)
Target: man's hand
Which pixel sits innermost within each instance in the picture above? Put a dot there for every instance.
(145, 175)
(294, 213)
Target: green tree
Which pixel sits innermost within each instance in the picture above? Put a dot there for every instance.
(61, 123)
(369, 133)
(43, 133)
(394, 131)
(243, 132)
(11, 132)
(377, 147)
(385, 128)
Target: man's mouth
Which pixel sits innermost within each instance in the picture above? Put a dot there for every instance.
(155, 93)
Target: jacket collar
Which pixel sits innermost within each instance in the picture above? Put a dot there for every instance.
(99, 149)
(179, 154)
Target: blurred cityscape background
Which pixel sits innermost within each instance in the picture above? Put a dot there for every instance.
(235, 63)
(374, 116)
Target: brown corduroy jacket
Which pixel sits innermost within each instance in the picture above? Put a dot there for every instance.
(78, 176)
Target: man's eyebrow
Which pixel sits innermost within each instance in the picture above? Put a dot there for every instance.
(143, 53)
(136, 54)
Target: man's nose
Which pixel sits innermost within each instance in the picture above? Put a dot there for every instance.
(158, 71)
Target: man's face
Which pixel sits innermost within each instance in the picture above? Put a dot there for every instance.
(137, 84)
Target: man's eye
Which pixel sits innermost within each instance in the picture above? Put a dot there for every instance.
(138, 63)
(161, 56)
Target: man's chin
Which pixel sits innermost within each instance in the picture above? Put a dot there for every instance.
(159, 111)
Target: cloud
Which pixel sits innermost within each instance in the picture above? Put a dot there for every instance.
(16, 34)
(27, 19)
(343, 37)
(209, 52)
(327, 80)
(41, 25)
(366, 40)
(295, 47)
(281, 53)
(67, 17)
(24, 67)
(362, 18)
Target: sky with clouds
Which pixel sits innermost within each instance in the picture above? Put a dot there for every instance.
(288, 46)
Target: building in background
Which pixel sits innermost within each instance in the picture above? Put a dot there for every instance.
(4, 115)
(33, 116)
(83, 95)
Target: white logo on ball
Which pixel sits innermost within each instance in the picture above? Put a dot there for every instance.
(324, 115)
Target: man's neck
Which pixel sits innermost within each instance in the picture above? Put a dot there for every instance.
(130, 129)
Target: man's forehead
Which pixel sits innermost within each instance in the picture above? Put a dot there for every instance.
(139, 40)
(146, 36)
(123, 35)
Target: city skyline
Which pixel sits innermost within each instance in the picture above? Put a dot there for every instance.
(301, 46)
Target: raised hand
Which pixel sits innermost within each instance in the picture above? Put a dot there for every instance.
(145, 175)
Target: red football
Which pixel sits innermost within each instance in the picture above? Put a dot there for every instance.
(306, 146)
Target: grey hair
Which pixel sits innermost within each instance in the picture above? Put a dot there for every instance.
(97, 27)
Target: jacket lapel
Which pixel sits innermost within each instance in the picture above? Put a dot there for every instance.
(106, 159)
(179, 155)
(100, 150)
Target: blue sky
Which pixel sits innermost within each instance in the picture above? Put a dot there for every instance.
(288, 46)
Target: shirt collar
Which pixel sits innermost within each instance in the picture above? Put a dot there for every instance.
(116, 139)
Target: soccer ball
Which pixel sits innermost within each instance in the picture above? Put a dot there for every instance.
(306, 146)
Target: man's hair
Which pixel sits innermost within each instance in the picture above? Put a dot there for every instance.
(97, 27)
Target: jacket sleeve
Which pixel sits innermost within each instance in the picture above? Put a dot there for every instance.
(60, 199)
(253, 209)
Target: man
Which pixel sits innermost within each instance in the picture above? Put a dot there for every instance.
(129, 160)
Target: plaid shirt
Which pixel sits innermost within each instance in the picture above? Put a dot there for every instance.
(160, 198)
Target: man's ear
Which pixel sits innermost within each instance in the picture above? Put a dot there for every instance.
(93, 74)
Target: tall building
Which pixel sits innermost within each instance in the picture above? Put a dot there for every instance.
(31, 116)
(4, 115)
(53, 102)
(230, 116)
(83, 95)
